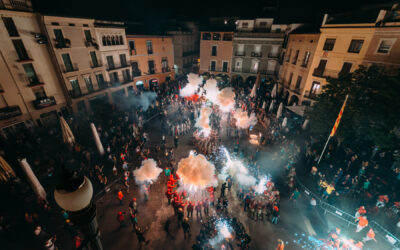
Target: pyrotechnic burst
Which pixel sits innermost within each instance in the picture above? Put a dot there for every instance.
(203, 122)
(192, 86)
(147, 173)
(212, 90)
(254, 139)
(224, 232)
(262, 185)
(196, 173)
(226, 99)
(236, 169)
(243, 120)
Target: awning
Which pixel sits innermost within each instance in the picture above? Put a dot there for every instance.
(298, 110)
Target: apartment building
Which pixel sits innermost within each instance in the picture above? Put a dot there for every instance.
(30, 91)
(257, 45)
(186, 41)
(216, 52)
(91, 58)
(345, 42)
(151, 58)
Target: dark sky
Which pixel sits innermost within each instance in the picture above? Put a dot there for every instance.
(156, 11)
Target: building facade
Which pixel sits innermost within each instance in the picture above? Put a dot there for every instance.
(151, 59)
(342, 47)
(186, 48)
(31, 93)
(91, 58)
(257, 45)
(216, 52)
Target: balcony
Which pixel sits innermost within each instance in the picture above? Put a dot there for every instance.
(132, 52)
(95, 65)
(91, 43)
(71, 68)
(75, 93)
(151, 72)
(34, 81)
(136, 73)
(62, 43)
(255, 71)
(218, 69)
(325, 73)
(166, 69)
(256, 54)
(149, 51)
(114, 67)
(318, 72)
(9, 112)
(273, 55)
(43, 103)
(240, 53)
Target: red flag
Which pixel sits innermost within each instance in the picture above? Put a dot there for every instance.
(338, 118)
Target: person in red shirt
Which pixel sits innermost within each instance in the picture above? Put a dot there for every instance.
(370, 236)
(121, 220)
(120, 196)
(360, 211)
(362, 223)
(78, 241)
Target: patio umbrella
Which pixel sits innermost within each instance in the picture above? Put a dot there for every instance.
(273, 92)
(264, 104)
(5, 170)
(305, 124)
(271, 106)
(32, 179)
(97, 139)
(67, 135)
(280, 109)
(284, 122)
(253, 90)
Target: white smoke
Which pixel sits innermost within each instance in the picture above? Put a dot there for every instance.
(212, 90)
(147, 173)
(192, 86)
(203, 122)
(226, 99)
(243, 120)
(144, 100)
(224, 232)
(262, 185)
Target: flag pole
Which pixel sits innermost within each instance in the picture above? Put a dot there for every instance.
(335, 126)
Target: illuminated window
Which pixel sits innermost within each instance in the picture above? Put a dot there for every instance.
(355, 46)
(385, 46)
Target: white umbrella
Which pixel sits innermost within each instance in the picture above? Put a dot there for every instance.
(280, 109)
(273, 92)
(284, 122)
(253, 91)
(305, 124)
(5, 170)
(294, 104)
(33, 181)
(271, 106)
(264, 104)
(67, 135)
(97, 139)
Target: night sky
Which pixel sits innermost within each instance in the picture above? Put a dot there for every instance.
(154, 11)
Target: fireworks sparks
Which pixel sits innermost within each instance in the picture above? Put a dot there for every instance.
(147, 173)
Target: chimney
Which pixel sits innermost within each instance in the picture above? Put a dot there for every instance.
(325, 19)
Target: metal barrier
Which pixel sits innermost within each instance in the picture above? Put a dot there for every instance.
(350, 219)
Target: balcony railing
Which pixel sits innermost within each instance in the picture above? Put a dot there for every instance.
(34, 81)
(166, 69)
(273, 55)
(72, 68)
(318, 72)
(218, 69)
(114, 66)
(62, 43)
(149, 51)
(253, 71)
(43, 103)
(90, 43)
(256, 54)
(95, 65)
(19, 4)
(9, 112)
(151, 72)
(136, 73)
(240, 53)
(325, 73)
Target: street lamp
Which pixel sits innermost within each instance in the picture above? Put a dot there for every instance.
(74, 194)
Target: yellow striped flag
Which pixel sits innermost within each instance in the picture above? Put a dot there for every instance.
(338, 118)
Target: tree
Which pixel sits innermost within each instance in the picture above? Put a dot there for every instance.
(372, 113)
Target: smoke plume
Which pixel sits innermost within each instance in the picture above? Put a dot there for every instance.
(226, 99)
(192, 86)
(144, 100)
(212, 90)
(203, 121)
(236, 170)
(148, 172)
(243, 120)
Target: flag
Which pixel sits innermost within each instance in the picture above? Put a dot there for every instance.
(338, 118)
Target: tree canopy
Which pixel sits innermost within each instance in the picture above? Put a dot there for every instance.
(372, 113)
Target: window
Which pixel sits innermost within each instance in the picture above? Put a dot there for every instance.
(113, 42)
(216, 36)
(149, 46)
(108, 42)
(278, 30)
(114, 77)
(88, 36)
(329, 44)
(59, 35)
(295, 57)
(314, 89)
(206, 36)
(290, 78)
(355, 46)
(76, 89)
(89, 84)
(135, 67)
(345, 68)
(55, 23)
(100, 81)
(86, 25)
(67, 62)
(254, 66)
(319, 71)
(122, 59)
(104, 40)
(151, 67)
(245, 25)
(213, 65)
(164, 64)
(225, 67)
(227, 37)
(71, 24)
(263, 24)
(214, 50)
(306, 59)
(289, 55)
(240, 50)
(110, 62)
(126, 75)
(132, 47)
(21, 51)
(10, 26)
(121, 40)
(30, 73)
(298, 83)
(385, 46)
(39, 93)
(95, 63)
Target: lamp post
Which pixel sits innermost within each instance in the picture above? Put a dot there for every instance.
(74, 194)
